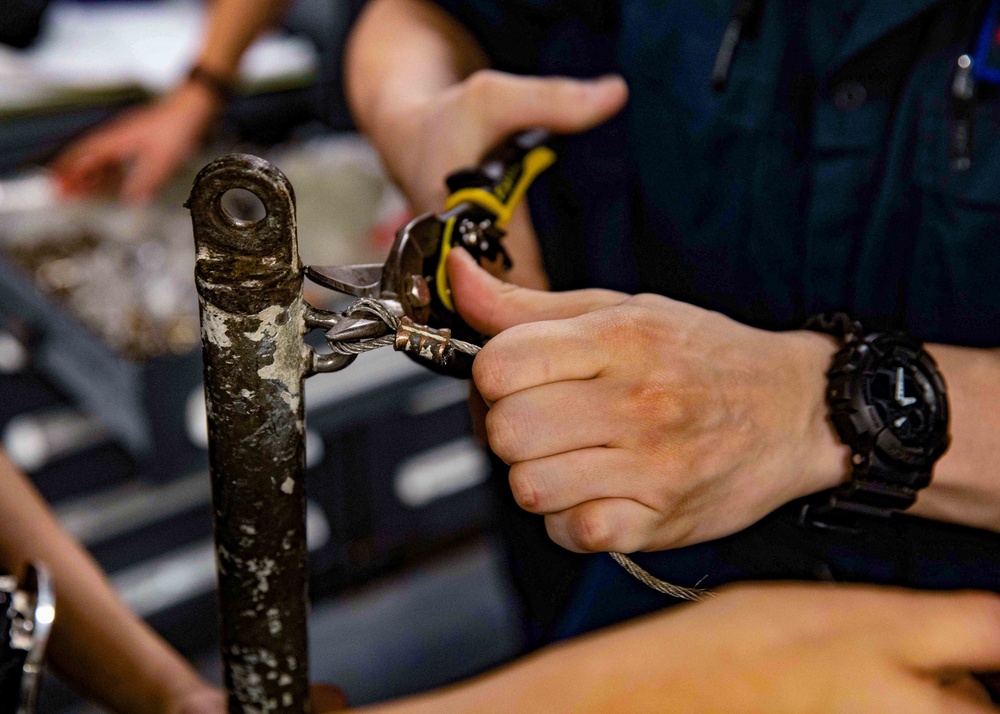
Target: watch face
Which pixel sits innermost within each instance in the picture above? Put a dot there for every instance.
(903, 393)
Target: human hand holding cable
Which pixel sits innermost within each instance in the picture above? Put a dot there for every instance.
(636, 423)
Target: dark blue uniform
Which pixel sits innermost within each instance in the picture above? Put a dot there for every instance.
(822, 178)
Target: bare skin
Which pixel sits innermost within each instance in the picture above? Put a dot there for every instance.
(417, 78)
(770, 648)
(97, 644)
(784, 648)
(686, 425)
(421, 89)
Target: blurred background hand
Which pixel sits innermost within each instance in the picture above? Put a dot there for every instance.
(137, 153)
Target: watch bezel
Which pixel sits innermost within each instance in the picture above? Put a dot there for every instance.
(858, 422)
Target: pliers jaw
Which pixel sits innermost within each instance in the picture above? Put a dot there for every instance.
(413, 283)
(410, 271)
(410, 284)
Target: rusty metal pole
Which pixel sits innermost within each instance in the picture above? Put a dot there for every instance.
(249, 280)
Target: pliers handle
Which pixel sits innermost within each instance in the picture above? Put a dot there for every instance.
(487, 195)
(413, 282)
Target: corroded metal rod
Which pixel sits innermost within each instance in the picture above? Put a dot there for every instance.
(249, 281)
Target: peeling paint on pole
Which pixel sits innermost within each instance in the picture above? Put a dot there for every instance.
(249, 281)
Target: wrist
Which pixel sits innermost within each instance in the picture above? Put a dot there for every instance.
(222, 84)
(826, 459)
(200, 104)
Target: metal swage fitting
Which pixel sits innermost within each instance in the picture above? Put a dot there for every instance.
(377, 309)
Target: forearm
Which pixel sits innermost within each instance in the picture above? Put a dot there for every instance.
(401, 52)
(758, 649)
(622, 669)
(97, 644)
(232, 26)
(966, 484)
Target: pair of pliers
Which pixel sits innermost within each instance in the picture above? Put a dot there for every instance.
(413, 283)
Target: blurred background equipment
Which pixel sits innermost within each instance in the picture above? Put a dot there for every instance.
(100, 372)
(22, 21)
(27, 611)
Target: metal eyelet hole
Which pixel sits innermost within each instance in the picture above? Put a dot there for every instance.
(242, 207)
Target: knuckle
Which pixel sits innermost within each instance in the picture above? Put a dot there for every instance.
(482, 85)
(648, 396)
(489, 374)
(636, 327)
(647, 301)
(501, 431)
(658, 413)
(590, 530)
(524, 487)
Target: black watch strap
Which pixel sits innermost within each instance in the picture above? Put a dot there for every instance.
(859, 496)
(223, 87)
(839, 324)
(876, 487)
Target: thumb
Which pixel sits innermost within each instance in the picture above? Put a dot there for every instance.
(566, 106)
(490, 305)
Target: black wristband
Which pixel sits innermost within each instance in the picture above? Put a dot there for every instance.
(838, 324)
(222, 87)
(889, 404)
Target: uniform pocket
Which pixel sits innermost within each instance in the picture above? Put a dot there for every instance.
(955, 284)
(980, 183)
(669, 48)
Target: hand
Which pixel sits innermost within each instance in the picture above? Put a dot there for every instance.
(138, 152)
(642, 423)
(425, 139)
(806, 648)
(759, 649)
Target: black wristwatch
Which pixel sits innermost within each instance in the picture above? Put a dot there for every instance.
(889, 404)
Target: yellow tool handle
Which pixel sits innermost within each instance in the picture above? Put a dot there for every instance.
(496, 186)
(500, 182)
